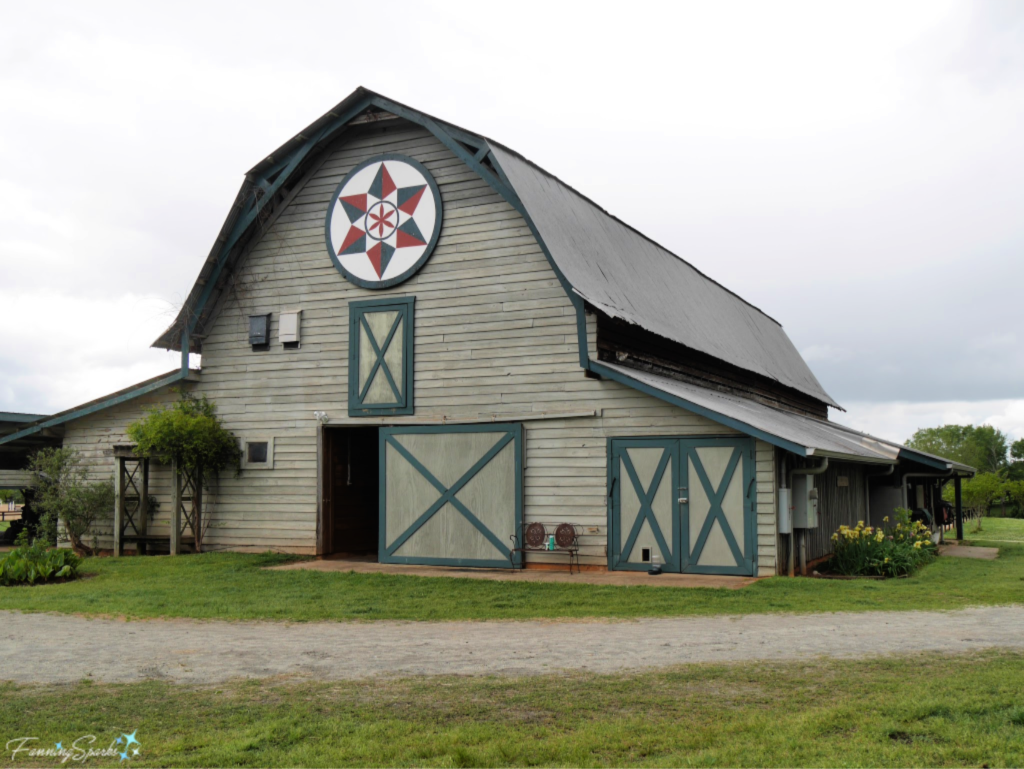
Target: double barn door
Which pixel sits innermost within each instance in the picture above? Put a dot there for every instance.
(688, 500)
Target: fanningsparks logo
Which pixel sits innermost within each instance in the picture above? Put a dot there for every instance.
(124, 748)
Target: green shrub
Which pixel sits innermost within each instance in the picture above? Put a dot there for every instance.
(894, 551)
(66, 496)
(29, 564)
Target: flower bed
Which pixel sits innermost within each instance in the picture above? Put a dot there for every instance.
(893, 551)
(30, 564)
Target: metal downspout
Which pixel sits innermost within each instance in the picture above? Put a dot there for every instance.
(803, 537)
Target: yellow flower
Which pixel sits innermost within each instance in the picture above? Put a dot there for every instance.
(886, 519)
(860, 524)
(879, 536)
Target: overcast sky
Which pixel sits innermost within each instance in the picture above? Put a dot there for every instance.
(856, 170)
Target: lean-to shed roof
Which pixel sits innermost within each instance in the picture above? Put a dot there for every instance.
(802, 435)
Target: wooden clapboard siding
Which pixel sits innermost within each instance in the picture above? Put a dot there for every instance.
(16, 479)
(495, 333)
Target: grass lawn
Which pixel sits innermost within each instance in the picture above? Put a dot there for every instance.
(234, 586)
(996, 530)
(922, 711)
(5, 525)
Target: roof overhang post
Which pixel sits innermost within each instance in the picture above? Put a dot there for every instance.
(959, 511)
(184, 350)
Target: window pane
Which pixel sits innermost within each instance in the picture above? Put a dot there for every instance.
(257, 451)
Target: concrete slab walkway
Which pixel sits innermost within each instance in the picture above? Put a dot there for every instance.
(969, 551)
(50, 648)
(363, 566)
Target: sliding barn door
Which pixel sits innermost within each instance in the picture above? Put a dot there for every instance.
(450, 495)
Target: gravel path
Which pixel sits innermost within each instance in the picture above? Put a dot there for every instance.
(52, 648)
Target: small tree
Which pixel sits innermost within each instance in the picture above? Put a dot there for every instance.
(66, 498)
(188, 434)
(981, 491)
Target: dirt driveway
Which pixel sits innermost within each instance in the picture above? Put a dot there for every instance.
(57, 648)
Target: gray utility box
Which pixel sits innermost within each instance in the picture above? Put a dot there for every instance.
(805, 502)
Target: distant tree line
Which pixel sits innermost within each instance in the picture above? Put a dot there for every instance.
(1000, 464)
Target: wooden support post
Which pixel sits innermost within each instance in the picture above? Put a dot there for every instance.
(185, 346)
(197, 508)
(142, 524)
(958, 503)
(118, 505)
(175, 508)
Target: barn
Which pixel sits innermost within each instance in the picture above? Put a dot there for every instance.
(427, 345)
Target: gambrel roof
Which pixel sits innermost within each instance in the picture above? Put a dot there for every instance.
(599, 259)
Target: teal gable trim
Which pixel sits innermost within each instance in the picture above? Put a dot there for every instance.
(16, 416)
(280, 172)
(714, 416)
(576, 299)
(455, 139)
(92, 408)
(403, 386)
(924, 459)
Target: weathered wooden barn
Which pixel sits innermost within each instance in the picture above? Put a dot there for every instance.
(426, 343)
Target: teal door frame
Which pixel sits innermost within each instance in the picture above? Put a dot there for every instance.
(666, 472)
(678, 450)
(512, 433)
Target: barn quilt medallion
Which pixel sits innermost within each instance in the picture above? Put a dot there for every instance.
(383, 221)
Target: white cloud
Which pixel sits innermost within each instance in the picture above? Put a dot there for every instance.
(899, 421)
(91, 346)
(854, 169)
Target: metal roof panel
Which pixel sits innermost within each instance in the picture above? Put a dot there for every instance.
(628, 276)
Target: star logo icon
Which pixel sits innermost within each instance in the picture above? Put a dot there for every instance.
(60, 745)
(383, 220)
(130, 739)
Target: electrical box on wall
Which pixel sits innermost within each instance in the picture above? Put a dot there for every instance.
(289, 327)
(805, 502)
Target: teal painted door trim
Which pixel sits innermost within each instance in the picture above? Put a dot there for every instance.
(505, 433)
(682, 450)
(666, 472)
(404, 402)
(743, 461)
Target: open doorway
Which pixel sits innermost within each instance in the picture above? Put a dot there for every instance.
(351, 513)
